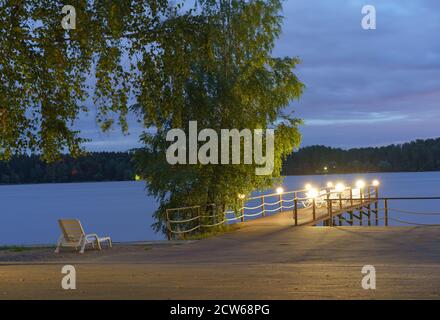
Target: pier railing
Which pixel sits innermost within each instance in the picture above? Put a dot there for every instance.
(190, 219)
(362, 206)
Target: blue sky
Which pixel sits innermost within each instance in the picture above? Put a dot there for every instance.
(363, 87)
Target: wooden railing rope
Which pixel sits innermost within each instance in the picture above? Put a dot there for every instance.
(337, 202)
(283, 203)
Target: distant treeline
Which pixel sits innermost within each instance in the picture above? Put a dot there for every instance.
(99, 166)
(420, 155)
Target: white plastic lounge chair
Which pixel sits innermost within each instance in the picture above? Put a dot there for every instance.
(73, 235)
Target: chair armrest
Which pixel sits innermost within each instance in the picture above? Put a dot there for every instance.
(92, 235)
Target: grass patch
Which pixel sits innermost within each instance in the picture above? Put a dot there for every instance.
(24, 248)
(211, 232)
(13, 248)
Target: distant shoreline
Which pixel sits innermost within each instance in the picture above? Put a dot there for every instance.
(415, 156)
(290, 175)
(67, 182)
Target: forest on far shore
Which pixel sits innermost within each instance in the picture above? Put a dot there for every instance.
(419, 155)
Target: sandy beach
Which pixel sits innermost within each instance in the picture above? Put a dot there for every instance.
(258, 261)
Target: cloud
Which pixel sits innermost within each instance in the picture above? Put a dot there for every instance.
(362, 118)
(362, 87)
(384, 81)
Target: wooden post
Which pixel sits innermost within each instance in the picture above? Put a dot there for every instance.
(213, 213)
(168, 226)
(242, 211)
(340, 201)
(328, 200)
(262, 202)
(361, 195)
(168, 230)
(200, 222)
(386, 212)
(376, 205)
(351, 197)
(281, 202)
(314, 209)
(296, 210)
(369, 207)
(361, 217)
(330, 208)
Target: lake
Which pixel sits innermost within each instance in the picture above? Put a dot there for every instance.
(122, 210)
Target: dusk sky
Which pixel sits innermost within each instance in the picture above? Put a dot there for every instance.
(363, 87)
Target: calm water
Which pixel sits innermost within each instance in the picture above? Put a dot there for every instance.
(118, 209)
(122, 210)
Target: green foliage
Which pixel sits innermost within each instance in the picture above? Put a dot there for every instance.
(13, 248)
(419, 155)
(46, 71)
(209, 232)
(211, 63)
(224, 77)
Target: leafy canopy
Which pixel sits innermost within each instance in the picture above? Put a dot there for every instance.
(219, 71)
(211, 63)
(48, 74)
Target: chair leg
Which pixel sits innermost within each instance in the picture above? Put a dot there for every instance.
(98, 244)
(60, 241)
(83, 245)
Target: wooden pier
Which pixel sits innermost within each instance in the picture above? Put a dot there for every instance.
(339, 207)
(330, 206)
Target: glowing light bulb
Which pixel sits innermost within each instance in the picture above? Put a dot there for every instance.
(312, 193)
(308, 186)
(330, 184)
(340, 187)
(376, 183)
(280, 190)
(360, 184)
(241, 196)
